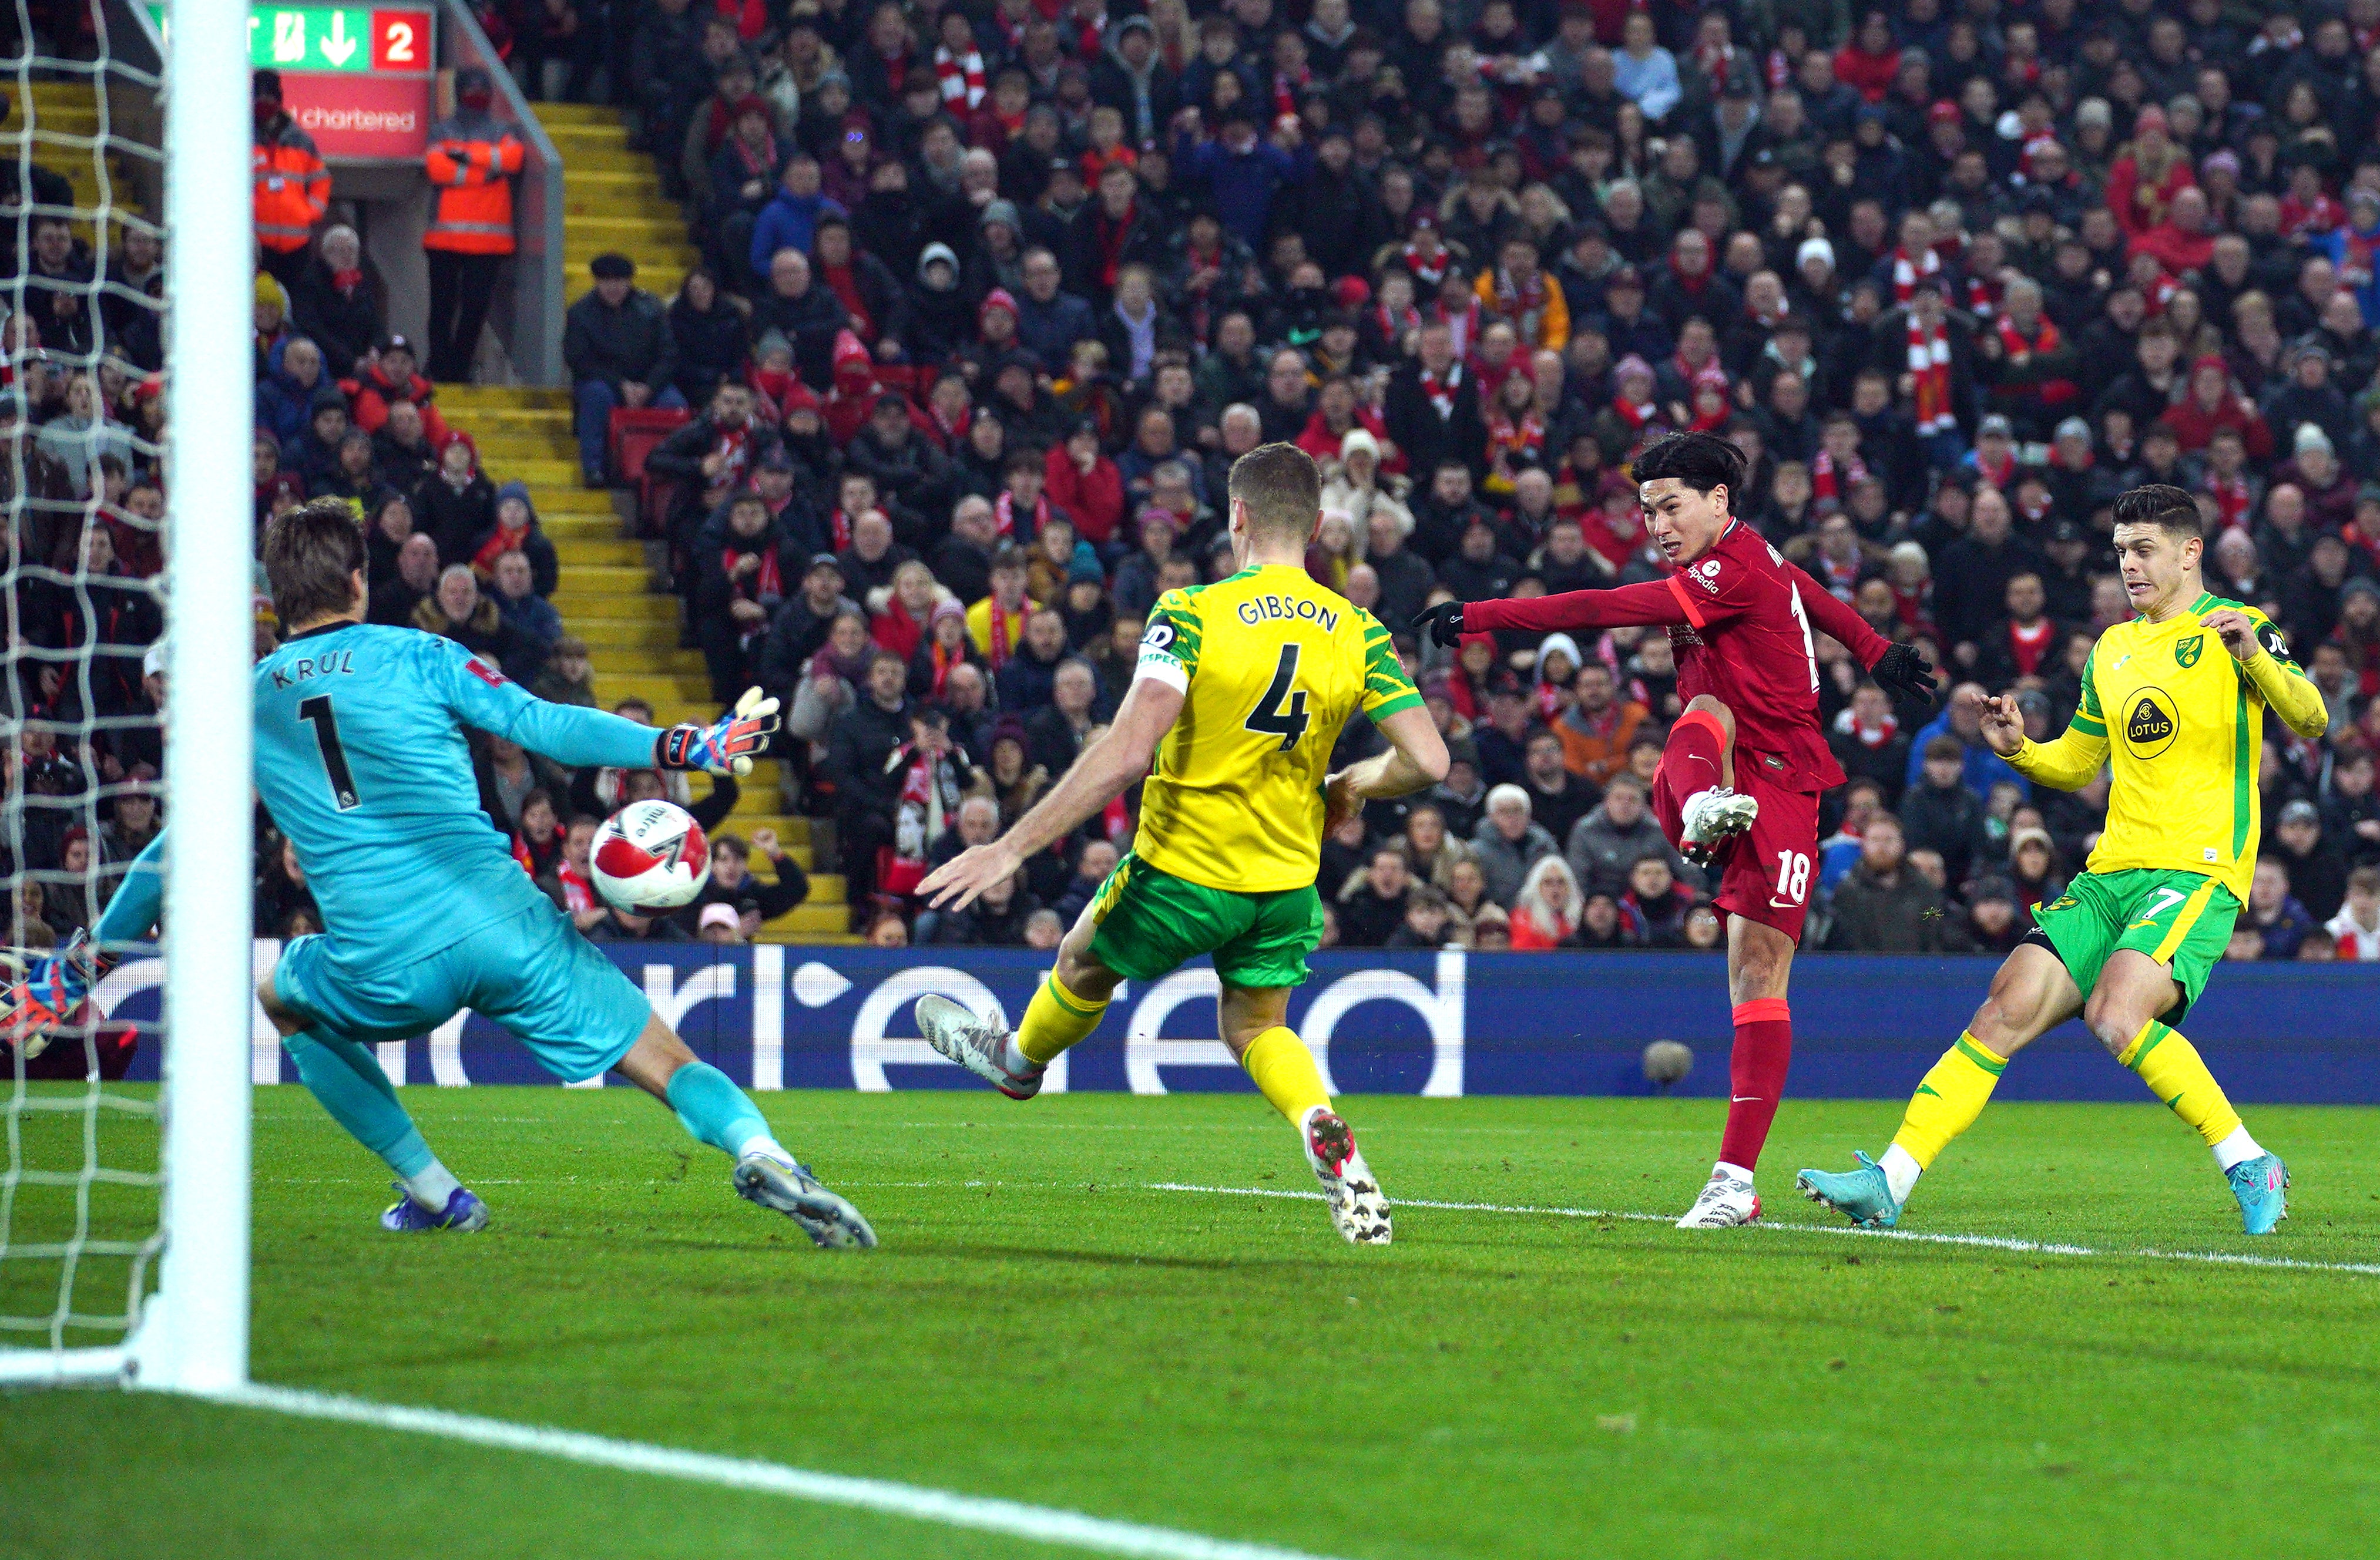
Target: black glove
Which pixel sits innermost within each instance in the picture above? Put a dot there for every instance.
(1904, 673)
(1442, 622)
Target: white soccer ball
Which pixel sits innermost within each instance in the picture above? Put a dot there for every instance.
(649, 857)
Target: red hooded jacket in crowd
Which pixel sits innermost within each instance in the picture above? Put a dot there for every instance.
(2195, 424)
(1095, 498)
(369, 397)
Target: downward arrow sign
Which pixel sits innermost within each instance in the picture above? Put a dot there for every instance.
(338, 48)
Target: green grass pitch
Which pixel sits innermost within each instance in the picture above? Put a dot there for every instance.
(1041, 1325)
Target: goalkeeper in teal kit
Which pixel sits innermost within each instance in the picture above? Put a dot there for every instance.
(361, 759)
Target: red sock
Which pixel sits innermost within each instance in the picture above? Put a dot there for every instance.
(1694, 758)
(1764, 1048)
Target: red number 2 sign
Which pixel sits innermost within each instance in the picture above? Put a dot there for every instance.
(400, 41)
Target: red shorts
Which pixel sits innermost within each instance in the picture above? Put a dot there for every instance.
(1767, 874)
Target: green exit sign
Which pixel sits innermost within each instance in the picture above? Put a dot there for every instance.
(335, 40)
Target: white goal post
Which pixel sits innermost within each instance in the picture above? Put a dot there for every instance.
(192, 1334)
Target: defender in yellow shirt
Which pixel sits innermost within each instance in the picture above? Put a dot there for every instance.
(1236, 703)
(2175, 701)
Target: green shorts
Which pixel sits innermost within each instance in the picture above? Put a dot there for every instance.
(2179, 919)
(1148, 922)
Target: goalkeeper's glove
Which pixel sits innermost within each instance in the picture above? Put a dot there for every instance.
(48, 992)
(1442, 622)
(1903, 670)
(727, 745)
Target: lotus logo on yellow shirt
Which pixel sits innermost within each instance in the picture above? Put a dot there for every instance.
(2149, 728)
(2185, 651)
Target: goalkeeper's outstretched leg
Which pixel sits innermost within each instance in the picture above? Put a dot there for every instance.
(710, 1106)
(574, 1012)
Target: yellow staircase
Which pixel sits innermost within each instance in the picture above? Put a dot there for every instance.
(609, 594)
(612, 200)
(63, 128)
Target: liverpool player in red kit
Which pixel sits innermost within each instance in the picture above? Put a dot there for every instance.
(1740, 781)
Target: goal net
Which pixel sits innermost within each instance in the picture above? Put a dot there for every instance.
(124, 294)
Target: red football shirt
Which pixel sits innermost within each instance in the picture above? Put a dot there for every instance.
(1741, 619)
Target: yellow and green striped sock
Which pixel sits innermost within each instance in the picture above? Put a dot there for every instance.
(1953, 1093)
(1055, 1020)
(2175, 1073)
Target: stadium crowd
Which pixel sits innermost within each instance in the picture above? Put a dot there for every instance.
(993, 296)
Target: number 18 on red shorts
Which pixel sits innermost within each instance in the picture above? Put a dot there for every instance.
(1767, 873)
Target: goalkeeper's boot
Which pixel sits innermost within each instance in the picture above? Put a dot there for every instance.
(2260, 1184)
(1708, 819)
(1726, 1202)
(977, 1044)
(464, 1211)
(789, 1189)
(1862, 1196)
(1358, 1208)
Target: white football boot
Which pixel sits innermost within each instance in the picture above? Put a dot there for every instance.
(1710, 818)
(1358, 1207)
(1727, 1201)
(978, 1045)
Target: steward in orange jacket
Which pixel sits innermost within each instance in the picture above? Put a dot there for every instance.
(472, 161)
(293, 187)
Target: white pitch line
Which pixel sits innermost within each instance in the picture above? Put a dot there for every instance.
(1930, 1237)
(1041, 1523)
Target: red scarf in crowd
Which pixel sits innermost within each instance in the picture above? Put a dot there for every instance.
(1828, 481)
(1637, 417)
(843, 282)
(838, 526)
(944, 659)
(1286, 90)
(1711, 371)
(949, 435)
(961, 76)
(1465, 326)
(2233, 503)
(734, 450)
(1907, 273)
(1524, 439)
(1929, 365)
(1875, 736)
(768, 586)
(501, 541)
(1995, 473)
(1432, 272)
(751, 16)
(1440, 393)
(1523, 303)
(1001, 649)
(577, 894)
(1003, 509)
(2028, 646)
(1394, 324)
(2053, 392)
(1982, 297)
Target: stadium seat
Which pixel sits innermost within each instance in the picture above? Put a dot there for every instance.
(637, 433)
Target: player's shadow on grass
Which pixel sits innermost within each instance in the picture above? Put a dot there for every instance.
(1110, 1259)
